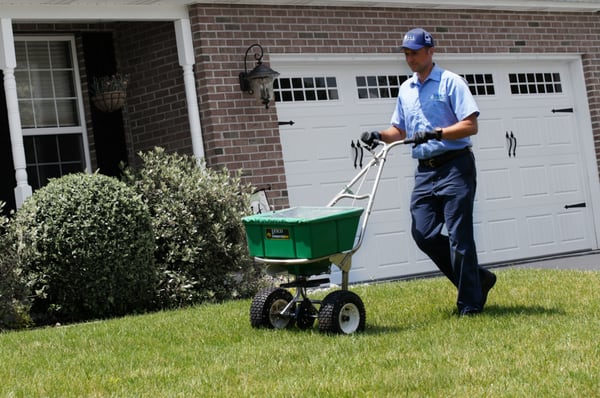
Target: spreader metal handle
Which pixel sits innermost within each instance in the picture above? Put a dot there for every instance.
(378, 161)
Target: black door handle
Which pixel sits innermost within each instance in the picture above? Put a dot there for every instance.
(512, 144)
(514, 139)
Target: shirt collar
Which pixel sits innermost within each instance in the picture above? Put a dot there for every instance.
(435, 74)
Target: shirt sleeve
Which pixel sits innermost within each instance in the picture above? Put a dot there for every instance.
(462, 100)
(398, 116)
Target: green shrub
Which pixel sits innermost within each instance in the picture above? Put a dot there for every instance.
(94, 247)
(201, 247)
(14, 302)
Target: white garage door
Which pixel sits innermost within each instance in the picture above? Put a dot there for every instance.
(528, 150)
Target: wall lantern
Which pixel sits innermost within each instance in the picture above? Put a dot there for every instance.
(259, 80)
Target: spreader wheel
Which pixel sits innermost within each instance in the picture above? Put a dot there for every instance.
(266, 308)
(342, 312)
(307, 314)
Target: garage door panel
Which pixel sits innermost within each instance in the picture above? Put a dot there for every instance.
(535, 182)
(529, 183)
(567, 232)
(490, 140)
(329, 143)
(505, 233)
(336, 170)
(388, 195)
(306, 193)
(326, 143)
(528, 134)
(541, 233)
(300, 171)
(552, 182)
(383, 255)
(388, 222)
(571, 224)
(291, 139)
(422, 262)
(393, 248)
(541, 230)
(563, 181)
(480, 237)
(495, 184)
(298, 164)
(560, 133)
(302, 180)
(545, 135)
(409, 261)
(422, 267)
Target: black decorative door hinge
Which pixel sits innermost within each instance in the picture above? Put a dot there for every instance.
(563, 110)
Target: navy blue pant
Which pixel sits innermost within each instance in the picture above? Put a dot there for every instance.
(445, 196)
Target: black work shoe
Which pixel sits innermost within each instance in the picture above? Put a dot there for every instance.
(487, 283)
(468, 312)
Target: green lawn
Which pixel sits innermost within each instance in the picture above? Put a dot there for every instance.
(538, 338)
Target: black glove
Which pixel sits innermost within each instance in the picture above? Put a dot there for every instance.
(420, 137)
(371, 138)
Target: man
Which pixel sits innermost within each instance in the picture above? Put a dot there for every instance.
(436, 109)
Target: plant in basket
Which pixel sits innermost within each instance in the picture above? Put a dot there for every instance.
(108, 92)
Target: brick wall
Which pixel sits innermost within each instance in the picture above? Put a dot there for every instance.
(156, 104)
(239, 132)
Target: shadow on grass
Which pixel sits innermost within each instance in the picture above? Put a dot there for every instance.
(520, 309)
(371, 329)
(490, 311)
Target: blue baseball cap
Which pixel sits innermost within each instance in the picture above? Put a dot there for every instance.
(416, 39)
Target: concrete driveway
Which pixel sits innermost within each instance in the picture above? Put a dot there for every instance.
(587, 261)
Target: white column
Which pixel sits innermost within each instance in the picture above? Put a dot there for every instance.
(8, 63)
(185, 50)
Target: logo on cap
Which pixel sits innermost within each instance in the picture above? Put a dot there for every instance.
(427, 38)
(417, 38)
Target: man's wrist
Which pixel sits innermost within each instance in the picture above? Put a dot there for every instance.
(438, 132)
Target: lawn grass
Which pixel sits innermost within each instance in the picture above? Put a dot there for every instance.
(538, 337)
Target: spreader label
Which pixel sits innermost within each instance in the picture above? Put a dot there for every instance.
(278, 233)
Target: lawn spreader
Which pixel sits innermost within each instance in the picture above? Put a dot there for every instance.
(303, 242)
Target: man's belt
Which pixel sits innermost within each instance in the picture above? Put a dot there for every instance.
(439, 160)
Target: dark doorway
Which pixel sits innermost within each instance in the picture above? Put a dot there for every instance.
(109, 135)
(8, 181)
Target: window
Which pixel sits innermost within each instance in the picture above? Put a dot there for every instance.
(386, 86)
(50, 156)
(480, 83)
(302, 89)
(50, 107)
(535, 83)
(383, 86)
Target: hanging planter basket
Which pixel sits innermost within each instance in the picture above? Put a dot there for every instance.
(109, 101)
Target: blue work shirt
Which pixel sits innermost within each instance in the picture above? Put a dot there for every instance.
(441, 100)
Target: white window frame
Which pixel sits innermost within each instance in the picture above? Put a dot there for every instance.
(81, 129)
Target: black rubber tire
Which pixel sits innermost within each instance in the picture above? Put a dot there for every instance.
(306, 314)
(266, 307)
(342, 312)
